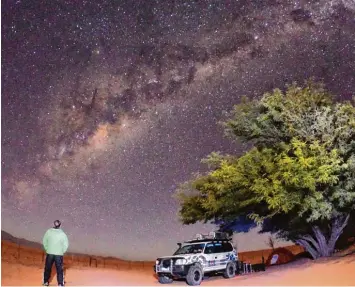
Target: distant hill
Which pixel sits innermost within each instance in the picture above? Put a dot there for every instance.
(24, 242)
(250, 256)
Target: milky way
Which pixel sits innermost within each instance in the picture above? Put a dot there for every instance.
(108, 106)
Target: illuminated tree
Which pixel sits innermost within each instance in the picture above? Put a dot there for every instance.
(298, 179)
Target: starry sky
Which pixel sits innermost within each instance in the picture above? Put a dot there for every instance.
(108, 105)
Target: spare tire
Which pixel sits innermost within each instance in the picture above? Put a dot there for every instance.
(194, 275)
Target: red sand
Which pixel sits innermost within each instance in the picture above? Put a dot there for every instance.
(324, 272)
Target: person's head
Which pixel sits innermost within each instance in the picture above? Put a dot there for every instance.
(57, 223)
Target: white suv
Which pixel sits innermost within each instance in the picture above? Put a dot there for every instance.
(195, 258)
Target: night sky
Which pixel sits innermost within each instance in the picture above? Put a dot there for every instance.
(108, 105)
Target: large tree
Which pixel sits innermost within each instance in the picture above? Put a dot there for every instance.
(297, 179)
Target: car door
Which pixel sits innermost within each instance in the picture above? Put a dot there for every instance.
(221, 256)
(215, 256)
(210, 256)
(227, 253)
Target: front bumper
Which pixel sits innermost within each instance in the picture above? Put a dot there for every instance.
(178, 271)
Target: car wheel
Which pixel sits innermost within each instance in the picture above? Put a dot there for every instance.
(229, 272)
(194, 276)
(165, 279)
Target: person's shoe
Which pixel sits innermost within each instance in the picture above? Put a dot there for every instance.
(45, 284)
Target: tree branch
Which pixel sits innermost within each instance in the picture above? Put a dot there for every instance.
(321, 240)
(310, 239)
(309, 248)
(337, 229)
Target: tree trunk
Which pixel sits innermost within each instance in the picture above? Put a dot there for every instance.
(321, 245)
(311, 250)
(337, 229)
(322, 241)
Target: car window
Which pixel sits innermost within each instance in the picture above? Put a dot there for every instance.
(209, 248)
(188, 249)
(227, 247)
(218, 248)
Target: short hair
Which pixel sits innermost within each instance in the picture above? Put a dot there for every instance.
(57, 223)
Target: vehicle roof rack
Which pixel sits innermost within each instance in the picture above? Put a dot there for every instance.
(212, 236)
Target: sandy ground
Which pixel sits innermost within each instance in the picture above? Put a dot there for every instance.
(324, 272)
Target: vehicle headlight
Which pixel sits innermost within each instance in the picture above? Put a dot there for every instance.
(181, 262)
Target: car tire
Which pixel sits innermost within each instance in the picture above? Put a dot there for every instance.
(229, 272)
(194, 275)
(165, 279)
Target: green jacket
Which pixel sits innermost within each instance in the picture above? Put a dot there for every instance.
(55, 241)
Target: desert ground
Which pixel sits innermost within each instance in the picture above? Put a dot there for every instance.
(338, 270)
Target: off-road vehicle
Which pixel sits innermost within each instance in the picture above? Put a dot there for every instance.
(206, 254)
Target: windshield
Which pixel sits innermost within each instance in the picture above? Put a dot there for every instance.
(188, 249)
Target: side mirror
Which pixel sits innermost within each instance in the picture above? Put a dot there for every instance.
(179, 244)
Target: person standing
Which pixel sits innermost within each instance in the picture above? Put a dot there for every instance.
(55, 243)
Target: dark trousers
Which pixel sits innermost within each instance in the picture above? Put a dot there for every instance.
(58, 260)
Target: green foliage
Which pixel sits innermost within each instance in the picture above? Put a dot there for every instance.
(295, 176)
(302, 163)
(277, 117)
